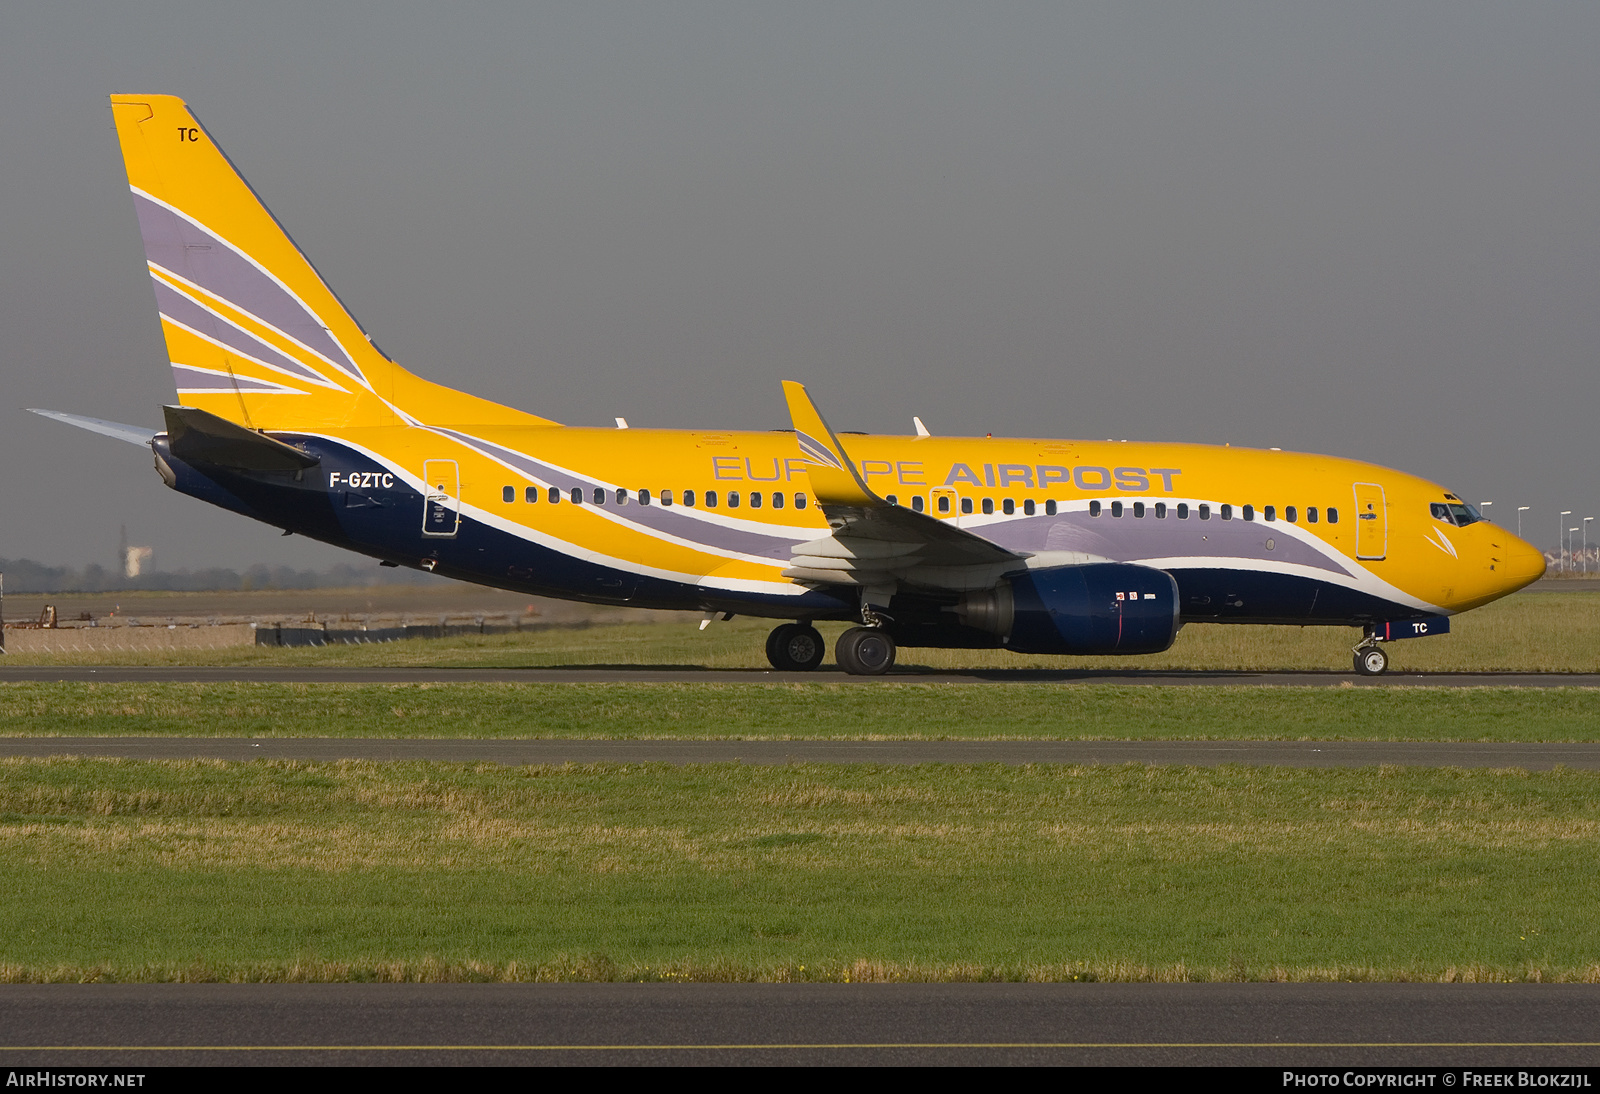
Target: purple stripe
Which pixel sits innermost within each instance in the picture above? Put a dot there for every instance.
(1127, 537)
(180, 308)
(191, 379)
(817, 451)
(657, 518)
(199, 256)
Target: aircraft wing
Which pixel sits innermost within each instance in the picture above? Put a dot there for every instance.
(873, 544)
(133, 434)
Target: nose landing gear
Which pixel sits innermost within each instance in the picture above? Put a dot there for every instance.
(1371, 659)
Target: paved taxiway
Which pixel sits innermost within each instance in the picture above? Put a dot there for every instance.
(672, 674)
(132, 1025)
(1539, 756)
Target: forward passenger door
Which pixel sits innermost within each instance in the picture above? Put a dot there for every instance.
(1372, 522)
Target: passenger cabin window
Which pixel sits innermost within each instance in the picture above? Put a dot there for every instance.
(1269, 513)
(1116, 508)
(1249, 512)
(1291, 514)
(688, 498)
(1205, 511)
(711, 499)
(577, 495)
(916, 503)
(644, 497)
(1311, 514)
(666, 497)
(988, 506)
(966, 505)
(1138, 508)
(1050, 508)
(1008, 507)
(777, 501)
(1094, 509)
(733, 499)
(892, 499)
(1227, 512)
(1161, 510)
(599, 495)
(755, 499)
(944, 503)
(508, 494)
(530, 495)
(1027, 508)
(799, 501)
(1333, 515)
(555, 494)
(1183, 510)
(622, 497)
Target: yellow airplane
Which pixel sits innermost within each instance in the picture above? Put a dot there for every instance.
(291, 415)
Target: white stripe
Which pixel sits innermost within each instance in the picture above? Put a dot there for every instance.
(560, 546)
(231, 385)
(179, 281)
(314, 377)
(799, 534)
(311, 313)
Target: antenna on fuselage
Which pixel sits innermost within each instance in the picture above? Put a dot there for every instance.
(922, 430)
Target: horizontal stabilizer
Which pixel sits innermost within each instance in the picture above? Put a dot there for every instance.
(133, 434)
(198, 436)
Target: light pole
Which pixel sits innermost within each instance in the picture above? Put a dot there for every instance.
(1570, 531)
(1521, 509)
(1482, 505)
(1561, 541)
(1586, 521)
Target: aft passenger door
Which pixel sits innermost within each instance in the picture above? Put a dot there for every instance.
(440, 513)
(1372, 522)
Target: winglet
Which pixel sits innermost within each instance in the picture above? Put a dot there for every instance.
(834, 478)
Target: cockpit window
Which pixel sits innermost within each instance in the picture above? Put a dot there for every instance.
(1455, 512)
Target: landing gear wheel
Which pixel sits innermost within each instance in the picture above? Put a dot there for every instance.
(795, 647)
(865, 651)
(1372, 661)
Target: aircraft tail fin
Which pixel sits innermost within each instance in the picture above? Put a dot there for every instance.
(254, 334)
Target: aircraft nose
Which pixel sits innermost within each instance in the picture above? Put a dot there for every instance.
(1520, 563)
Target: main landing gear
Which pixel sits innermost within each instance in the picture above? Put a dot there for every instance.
(860, 651)
(795, 647)
(865, 651)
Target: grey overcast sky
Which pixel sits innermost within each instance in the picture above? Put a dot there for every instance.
(1366, 229)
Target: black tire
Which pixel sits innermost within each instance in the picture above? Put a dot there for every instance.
(1372, 661)
(795, 647)
(865, 651)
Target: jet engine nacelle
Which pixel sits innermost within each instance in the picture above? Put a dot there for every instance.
(1110, 607)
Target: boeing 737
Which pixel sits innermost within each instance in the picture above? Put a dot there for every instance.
(289, 414)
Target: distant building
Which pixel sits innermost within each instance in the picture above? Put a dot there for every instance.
(137, 560)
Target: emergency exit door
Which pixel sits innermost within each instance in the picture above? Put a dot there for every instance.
(441, 514)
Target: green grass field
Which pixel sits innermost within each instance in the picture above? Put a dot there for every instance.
(1533, 632)
(795, 710)
(118, 870)
(122, 870)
